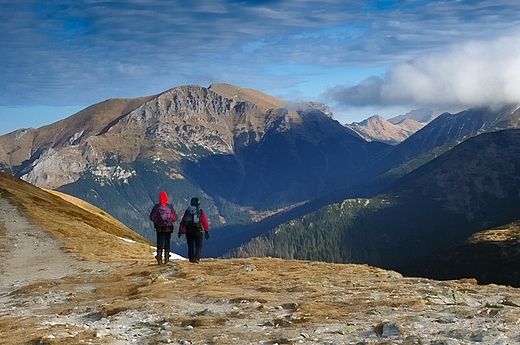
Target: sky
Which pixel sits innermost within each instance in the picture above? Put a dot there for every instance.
(359, 57)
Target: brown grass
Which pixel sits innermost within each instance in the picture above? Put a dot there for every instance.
(3, 234)
(509, 232)
(219, 295)
(258, 299)
(88, 232)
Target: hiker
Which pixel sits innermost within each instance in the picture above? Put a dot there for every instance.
(163, 215)
(194, 224)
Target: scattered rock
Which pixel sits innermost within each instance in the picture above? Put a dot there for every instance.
(249, 268)
(217, 303)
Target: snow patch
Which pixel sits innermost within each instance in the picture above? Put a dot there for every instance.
(115, 173)
(126, 239)
(173, 256)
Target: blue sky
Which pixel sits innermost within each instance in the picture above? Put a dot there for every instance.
(359, 57)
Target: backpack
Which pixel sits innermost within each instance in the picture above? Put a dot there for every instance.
(165, 217)
(192, 217)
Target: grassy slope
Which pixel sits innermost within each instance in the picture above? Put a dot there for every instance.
(87, 231)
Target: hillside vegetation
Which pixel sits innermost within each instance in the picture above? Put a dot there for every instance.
(473, 187)
(264, 170)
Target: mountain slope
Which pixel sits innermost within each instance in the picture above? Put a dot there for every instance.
(121, 296)
(75, 224)
(303, 155)
(444, 132)
(237, 149)
(240, 151)
(488, 255)
(471, 188)
(23, 146)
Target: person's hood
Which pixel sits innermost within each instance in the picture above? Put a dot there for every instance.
(163, 198)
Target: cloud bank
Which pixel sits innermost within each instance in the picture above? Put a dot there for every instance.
(475, 73)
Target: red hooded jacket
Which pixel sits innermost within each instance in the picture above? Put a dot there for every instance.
(154, 215)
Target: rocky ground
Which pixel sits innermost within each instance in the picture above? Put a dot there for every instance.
(48, 296)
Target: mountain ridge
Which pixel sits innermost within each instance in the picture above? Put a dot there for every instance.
(231, 151)
(470, 188)
(396, 129)
(376, 128)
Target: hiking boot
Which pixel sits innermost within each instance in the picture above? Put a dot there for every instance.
(159, 261)
(166, 260)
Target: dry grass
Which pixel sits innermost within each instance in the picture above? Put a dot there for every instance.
(3, 229)
(219, 301)
(222, 296)
(3, 234)
(88, 232)
(509, 232)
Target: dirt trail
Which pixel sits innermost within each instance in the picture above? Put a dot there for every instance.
(28, 253)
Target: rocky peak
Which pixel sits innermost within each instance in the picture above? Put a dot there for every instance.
(306, 107)
(246, 95)
(376, 128)
(184, 122)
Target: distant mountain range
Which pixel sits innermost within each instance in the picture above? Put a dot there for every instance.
(394, 130)
(261, 165)
(376, 128)
(473, 187)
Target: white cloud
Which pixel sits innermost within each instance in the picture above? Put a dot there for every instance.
(471, 74)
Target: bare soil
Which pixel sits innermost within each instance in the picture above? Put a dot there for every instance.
(28, 252)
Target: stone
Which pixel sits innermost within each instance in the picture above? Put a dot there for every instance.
(390, 329)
